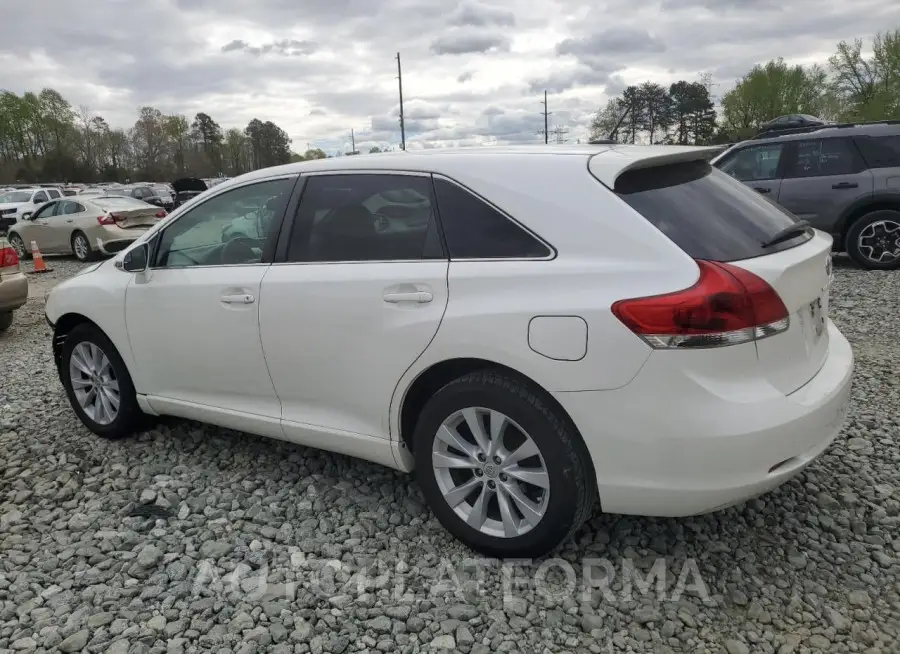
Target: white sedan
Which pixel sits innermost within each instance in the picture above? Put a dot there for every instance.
(535, 331)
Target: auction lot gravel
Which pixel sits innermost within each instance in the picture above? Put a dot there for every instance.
(190, 538)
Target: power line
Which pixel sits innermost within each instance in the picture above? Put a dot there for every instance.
(545, 113)
(402, 125)
(559, 133)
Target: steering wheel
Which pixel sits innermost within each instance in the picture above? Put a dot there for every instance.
(237, 250)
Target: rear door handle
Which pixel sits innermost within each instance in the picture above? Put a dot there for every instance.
(845, 185)
(762, 189)
(412, 296)
(238, 298)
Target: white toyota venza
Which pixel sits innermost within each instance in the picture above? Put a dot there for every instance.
(533, 330)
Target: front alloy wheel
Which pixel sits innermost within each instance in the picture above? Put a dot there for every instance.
(94, 383)
(81, 247)
(19, 246)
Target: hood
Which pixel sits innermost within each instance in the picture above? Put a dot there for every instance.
(12, 205)
(189, 184)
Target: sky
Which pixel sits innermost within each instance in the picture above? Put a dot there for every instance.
(474, 71)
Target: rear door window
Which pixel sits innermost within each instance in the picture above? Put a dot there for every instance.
(824, 158)
(705, 212)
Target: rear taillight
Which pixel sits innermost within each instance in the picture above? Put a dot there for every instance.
(161, 214)
(8, 257)
(727, 306)
(108, 219)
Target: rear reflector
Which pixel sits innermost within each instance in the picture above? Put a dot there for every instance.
(727, 306)
(8, 257)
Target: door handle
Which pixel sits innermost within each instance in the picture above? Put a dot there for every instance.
(70, 221)
(420, 297)
(762, 189)
(845, 185)
(238, 298)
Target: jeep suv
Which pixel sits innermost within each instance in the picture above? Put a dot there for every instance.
(844, 179)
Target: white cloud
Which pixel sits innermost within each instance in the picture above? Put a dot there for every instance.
(473, 70)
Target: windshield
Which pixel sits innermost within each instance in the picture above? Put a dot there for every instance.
(16, 196)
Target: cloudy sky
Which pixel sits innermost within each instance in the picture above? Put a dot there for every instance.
(474, 71)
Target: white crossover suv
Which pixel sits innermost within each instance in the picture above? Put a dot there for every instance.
(534, 330)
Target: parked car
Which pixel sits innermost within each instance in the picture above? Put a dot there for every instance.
(86, 227)
(187, 188)
(143, 192)
(13, 284)
(14, 203)
(840, 178)
(624, 324)
(166, 195)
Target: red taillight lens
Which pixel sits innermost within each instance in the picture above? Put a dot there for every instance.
(161, 214)
(728, 305)
(106, 220)
(8, 257)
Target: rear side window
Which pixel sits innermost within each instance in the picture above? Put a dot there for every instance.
(475, 230)
(824, 158)
(880, 151)
(706, 213)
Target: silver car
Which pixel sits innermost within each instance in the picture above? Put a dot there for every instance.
(84, 226)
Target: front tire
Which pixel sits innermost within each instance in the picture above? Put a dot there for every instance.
(81, 247)
(501, 469)
(873, 241)
(19, 246)
(97, 383)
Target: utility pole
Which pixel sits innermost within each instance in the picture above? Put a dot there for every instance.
(352, 144)
(402, 126)
(546, 131)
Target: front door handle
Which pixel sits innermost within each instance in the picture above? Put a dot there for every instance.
(845, 185)
(420, 297)
(70, 221)
(762, 189)
(238, 298)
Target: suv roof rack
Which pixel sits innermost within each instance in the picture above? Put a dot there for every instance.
(772, 133)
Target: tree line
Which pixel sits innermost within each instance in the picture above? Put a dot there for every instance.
(858, 83)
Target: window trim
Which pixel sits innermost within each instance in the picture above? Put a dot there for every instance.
(268, 248)
(281, 250)
(553, 252)
(848, 140)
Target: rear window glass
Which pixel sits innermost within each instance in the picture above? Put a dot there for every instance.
(705, 212)
(880, 151)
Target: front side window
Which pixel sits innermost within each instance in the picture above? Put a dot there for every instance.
(824, 158)
(46, 211)
(40, 196)
(755, 163)
(475, 230)
(380, 217)
(210, 234)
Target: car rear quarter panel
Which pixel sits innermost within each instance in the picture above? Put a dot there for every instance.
(604, 252)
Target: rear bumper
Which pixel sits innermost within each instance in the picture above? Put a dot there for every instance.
(675, 450)
(13, 291)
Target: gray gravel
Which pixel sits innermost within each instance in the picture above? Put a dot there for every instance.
(127, 546)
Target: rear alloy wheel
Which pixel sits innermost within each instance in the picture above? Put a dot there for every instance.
(19, 246)
(81, 248)
(873, 241)
(97, 383)
(501, 470)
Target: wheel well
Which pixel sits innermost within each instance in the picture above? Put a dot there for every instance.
(891, 205)
(440, 374)
(63, 328)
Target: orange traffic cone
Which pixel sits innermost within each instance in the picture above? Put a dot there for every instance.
(39, 265)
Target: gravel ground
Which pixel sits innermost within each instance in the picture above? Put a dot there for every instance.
(160, 543)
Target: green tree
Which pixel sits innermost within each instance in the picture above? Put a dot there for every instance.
(693, 114)
(867, 87)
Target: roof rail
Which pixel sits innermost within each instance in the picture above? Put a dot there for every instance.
(772, 133)
(602, 142)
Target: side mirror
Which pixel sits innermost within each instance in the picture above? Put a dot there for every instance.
(136, 259)
(27, 215)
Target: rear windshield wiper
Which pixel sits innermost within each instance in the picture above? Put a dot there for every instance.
(787, 233)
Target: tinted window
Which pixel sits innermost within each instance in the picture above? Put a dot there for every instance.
(70, 208)
(880, 151)
(755, 163)
(206, 234)
(365, 218)
(41, 196)
(46, 211)
(823, 158)
(16, 196)
(475, 230)
(706, 213)
(53, 193)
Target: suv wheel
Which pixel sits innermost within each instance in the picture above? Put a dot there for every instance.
(501, 470)
(873, 241)
(97, 383)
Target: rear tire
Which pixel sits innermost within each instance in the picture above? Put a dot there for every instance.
(6, 320)
(508, 527)
(88, 339)
(81, 247)
(871, 236)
